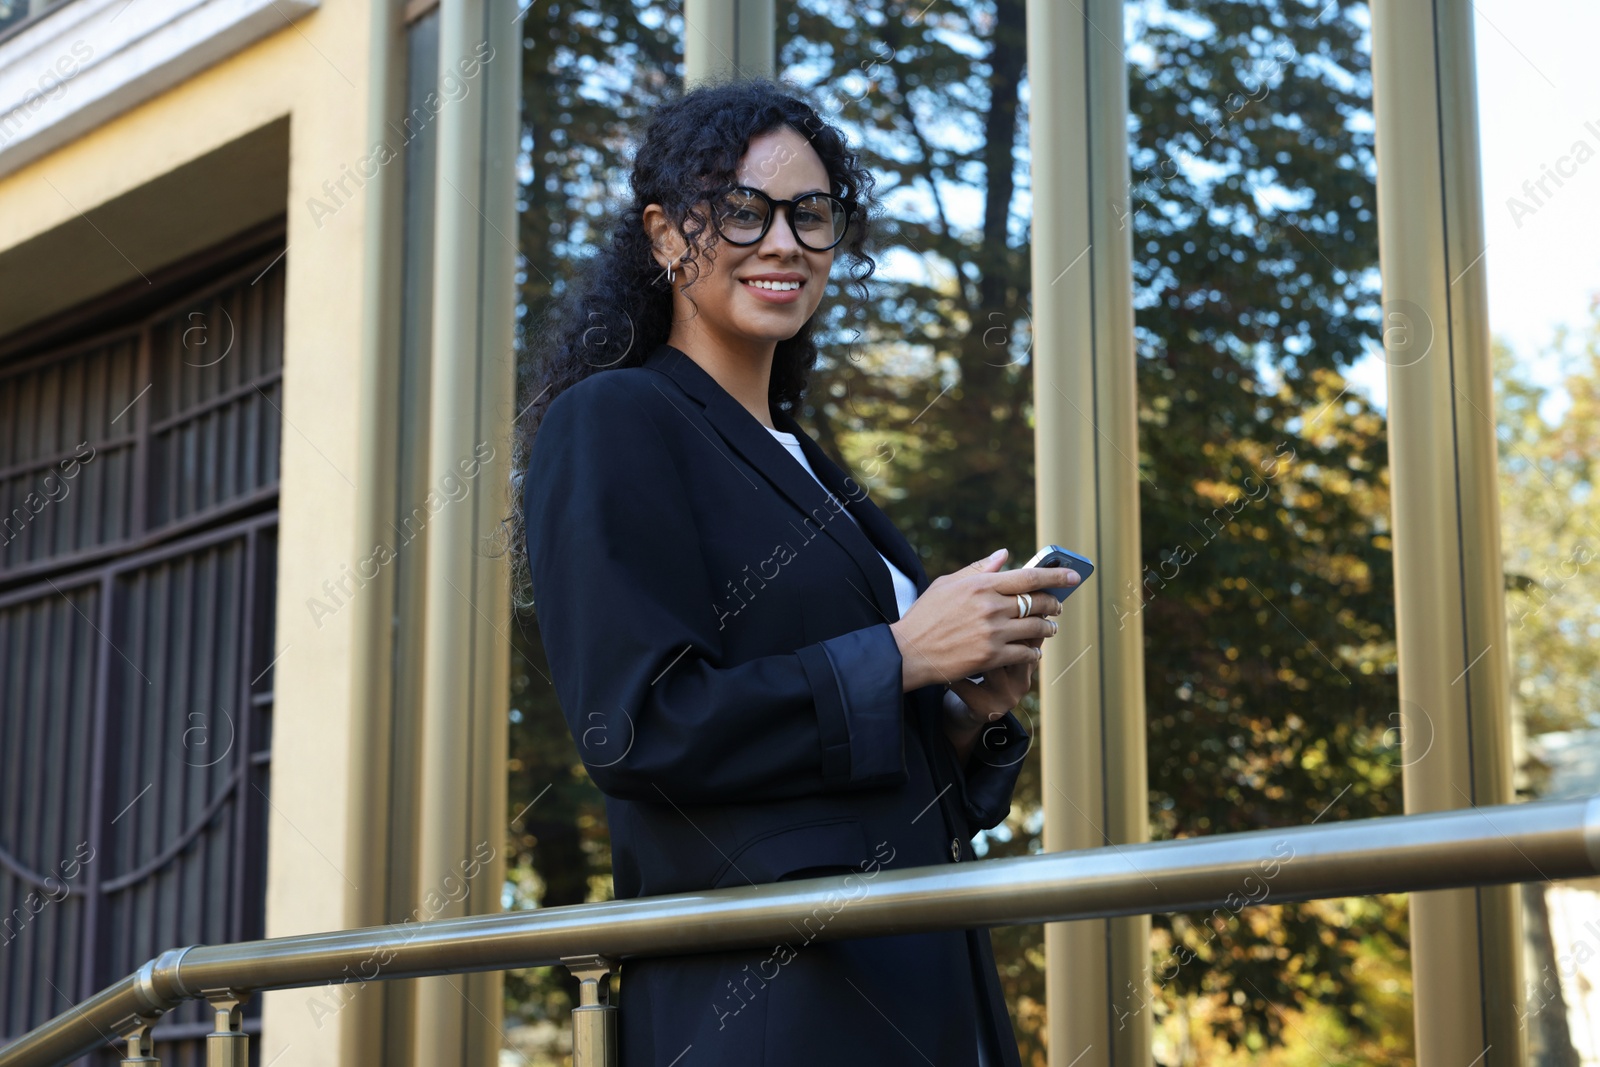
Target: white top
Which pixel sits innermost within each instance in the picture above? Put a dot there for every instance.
(905, 590)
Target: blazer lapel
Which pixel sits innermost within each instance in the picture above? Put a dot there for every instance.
(745, 435)
(883, 533)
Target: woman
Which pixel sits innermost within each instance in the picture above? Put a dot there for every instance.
(758, 674)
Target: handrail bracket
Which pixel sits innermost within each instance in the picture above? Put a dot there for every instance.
(228, 1045)
(141, 1046)
(594, 1020)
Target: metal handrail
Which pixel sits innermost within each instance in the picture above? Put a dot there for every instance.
(1538, 841)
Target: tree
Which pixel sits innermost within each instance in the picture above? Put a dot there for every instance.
(1550, 532)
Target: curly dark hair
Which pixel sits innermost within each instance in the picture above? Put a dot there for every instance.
(617, 309)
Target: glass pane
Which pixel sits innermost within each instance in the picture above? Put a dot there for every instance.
(1538, 105)
(1267, 597)
(12, 12)
(588, 74)
(15, 12)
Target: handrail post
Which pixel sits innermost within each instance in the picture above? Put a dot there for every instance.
(228, 1045)
(141, 1047)
(594, 1020)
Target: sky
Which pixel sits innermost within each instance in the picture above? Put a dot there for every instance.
(1538, 99)
(1539, 102)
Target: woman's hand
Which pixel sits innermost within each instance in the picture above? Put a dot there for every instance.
(1001, 690)
(966, 623)
(969, 706)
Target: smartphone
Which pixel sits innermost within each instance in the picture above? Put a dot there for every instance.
(1055, 556)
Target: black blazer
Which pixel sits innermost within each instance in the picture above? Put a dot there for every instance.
(718, 637)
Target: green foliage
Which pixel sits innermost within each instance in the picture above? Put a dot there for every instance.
(1550, 533)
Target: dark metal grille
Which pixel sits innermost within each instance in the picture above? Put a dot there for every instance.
(53, 415)
(217, 370)
(130, 437)
(135, 646)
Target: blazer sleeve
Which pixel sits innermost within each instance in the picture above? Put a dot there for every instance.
(627, 617)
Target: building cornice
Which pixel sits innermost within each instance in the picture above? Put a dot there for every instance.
(88, 61)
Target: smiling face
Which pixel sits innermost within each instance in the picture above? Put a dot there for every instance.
(728, 312)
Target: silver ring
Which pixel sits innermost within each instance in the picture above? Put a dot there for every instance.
(1022, 606)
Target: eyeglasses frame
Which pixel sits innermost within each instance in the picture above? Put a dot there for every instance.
(773, 204)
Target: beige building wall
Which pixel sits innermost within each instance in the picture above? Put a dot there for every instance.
(297, 101)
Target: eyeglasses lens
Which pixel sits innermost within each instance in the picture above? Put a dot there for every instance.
(819, 219)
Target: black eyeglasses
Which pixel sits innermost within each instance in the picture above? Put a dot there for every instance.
(817, 220)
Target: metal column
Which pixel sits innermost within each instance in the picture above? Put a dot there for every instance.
(1449, 592)
(371, 697)
(1087, 447)
(465, 688)
(728, 36)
